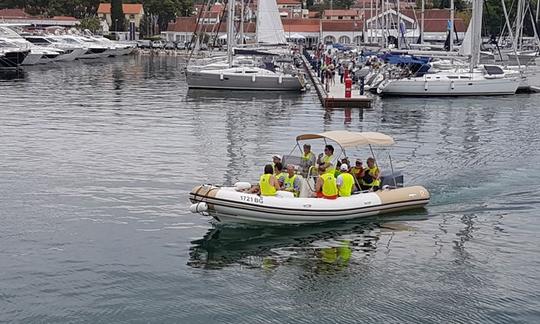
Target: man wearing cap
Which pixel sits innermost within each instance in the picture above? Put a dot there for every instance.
(344, 181)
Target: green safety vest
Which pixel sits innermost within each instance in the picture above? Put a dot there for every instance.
(266, 188)
(328, 159)
(329, 187)
(347, 184)
(371, 172)
(289, 184)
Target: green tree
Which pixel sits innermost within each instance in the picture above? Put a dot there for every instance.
(117, 15)
(90, 23)
(166, 11)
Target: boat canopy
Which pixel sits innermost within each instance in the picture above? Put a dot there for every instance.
(351, 139)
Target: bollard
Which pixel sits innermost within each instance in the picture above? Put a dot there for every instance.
(361, 85)
(348, 87)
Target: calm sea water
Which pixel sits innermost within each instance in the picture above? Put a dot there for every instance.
(97, 159)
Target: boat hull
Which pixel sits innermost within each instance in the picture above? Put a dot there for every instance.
(227, 205)
(422, 87)
(240, 81)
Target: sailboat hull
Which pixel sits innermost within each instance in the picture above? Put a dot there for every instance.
(242, 81)
(446, 87)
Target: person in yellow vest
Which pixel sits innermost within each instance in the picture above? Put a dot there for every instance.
(371, 178)
(292, 182)
(268, 183)
(279, 174)
(326, 184)
(327, 159)
(308, 159)
(345, 181)
(357, 172)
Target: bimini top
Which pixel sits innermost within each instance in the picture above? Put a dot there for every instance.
(351, 139)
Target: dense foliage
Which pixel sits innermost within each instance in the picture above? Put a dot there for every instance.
(117, 15)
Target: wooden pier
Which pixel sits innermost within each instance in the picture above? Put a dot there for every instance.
(335, 97)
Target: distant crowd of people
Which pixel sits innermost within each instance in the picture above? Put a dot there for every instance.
(332, 181)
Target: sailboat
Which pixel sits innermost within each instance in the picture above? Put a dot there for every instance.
(477, 80)
(233, 77)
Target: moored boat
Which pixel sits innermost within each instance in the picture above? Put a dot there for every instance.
(235, 204)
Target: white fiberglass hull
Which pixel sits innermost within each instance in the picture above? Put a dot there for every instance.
(213, 79)
(447, 87)
(32, 59)
(227, 205)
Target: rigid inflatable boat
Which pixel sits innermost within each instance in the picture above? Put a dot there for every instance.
(234, 204)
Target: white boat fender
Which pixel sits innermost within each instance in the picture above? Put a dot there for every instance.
(452, 84)
(425, 85)
(253, 78)
(221, 76)
(280, 79)
(199, 207)
(242, 185)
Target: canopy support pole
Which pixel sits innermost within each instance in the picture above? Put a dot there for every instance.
(392, 168)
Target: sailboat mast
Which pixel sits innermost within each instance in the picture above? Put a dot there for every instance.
(398, 26)
(476, 37)
(230, 31)
(242, 23)
(451, 31)
(422, 22)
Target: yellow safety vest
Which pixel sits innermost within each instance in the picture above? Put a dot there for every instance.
(347, 184)
(281, 176)
(371, 172)
(328, 159)
(329, 187)
(266, 188)
(307, 157)
(289, 184)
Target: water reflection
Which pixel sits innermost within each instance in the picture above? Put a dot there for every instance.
(13, 75)
(348, 115)
(322, 248)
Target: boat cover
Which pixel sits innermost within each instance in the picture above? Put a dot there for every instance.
(351, 139)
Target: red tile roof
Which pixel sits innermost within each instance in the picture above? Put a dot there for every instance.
(288, 2)
(64, 18)
(189, 24)
(341, 12)
(342, 25)
(129, 9)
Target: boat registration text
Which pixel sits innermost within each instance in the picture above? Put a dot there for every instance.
(258, 200)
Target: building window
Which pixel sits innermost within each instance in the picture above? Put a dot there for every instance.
(339, 17)
(344, 40)
(329, 40)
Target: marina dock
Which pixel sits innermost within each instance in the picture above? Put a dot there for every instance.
(335, 97)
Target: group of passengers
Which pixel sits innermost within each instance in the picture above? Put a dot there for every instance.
(331, 182)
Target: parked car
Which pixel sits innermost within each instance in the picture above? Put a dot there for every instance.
(170, 45)
(158, 44)
(144, 43)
